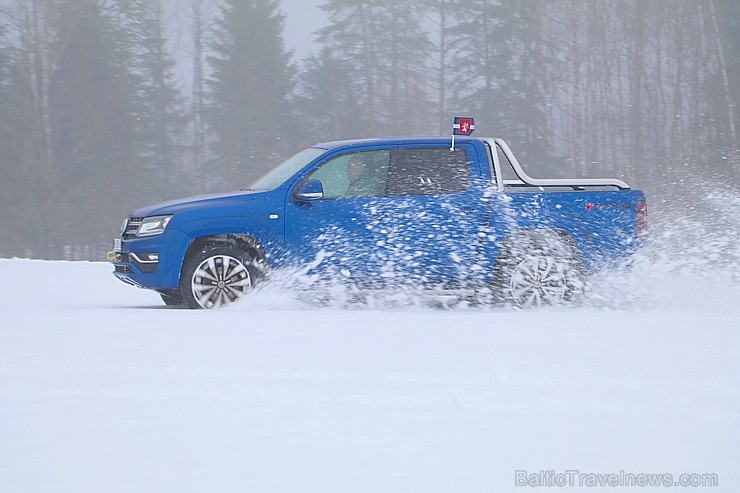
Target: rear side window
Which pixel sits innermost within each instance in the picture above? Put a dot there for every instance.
(428, 171)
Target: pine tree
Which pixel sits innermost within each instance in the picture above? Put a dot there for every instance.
(86, 122)
(383, 41)
(96, 124)
(328, 98)
(252, 79)
(18, 158)
(159, 110)
(495, 51)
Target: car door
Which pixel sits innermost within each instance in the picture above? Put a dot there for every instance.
(432, 214)
(335, 234)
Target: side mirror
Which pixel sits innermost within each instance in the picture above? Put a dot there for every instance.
(309, 190)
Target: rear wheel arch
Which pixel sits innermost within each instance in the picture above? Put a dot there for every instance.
(555, 241)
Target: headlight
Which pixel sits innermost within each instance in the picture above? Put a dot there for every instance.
(152, 226)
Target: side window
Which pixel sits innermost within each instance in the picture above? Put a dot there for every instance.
(359, 174)
(427, 171)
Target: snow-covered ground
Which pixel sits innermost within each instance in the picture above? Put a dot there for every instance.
(103, 389)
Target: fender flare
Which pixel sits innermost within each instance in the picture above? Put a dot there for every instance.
(550, 240)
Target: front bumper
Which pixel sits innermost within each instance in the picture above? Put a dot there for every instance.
(154, 262)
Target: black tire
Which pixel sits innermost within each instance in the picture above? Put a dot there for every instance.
(542, 270)
(217, 274)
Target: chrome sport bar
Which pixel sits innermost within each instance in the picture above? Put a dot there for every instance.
(539, 182)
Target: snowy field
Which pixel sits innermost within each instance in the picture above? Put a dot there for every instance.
(103, 389)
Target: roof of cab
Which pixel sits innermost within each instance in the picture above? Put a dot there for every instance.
(392, 140)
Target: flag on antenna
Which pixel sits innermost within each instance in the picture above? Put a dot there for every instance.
(463, 125)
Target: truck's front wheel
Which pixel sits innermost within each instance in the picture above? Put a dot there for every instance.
(217, 275)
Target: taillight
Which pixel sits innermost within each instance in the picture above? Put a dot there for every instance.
(641, 222)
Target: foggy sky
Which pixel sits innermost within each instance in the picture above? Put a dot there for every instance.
(302, 19)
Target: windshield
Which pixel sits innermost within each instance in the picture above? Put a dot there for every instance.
(277, 176)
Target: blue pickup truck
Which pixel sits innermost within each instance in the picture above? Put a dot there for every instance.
(380, 213)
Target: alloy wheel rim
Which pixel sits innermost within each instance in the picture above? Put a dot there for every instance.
(220, 280)
(539, 281)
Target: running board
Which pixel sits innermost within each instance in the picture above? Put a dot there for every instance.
(432, 293)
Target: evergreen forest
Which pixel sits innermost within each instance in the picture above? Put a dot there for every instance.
(103, 111)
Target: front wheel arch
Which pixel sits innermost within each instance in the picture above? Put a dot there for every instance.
(248, 243)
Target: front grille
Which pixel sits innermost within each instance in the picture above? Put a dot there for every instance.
(124, 257)
(124, 269)
(131, 227)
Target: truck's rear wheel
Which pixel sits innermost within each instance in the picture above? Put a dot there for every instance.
(217, 275)
(531, 274)
(542, 281)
